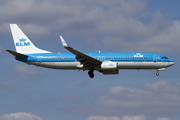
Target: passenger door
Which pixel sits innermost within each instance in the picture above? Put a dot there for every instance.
(154, 58)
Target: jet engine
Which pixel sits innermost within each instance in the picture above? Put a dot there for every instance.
(109, 67)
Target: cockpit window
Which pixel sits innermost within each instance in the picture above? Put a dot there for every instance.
(164, 57)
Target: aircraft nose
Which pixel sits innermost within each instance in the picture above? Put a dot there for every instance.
(171, 63)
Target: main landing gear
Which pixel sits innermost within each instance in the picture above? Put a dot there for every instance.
(91, 74)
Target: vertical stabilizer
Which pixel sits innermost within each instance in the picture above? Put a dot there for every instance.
(22, 43)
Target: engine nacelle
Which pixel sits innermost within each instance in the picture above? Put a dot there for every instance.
(109, 67)
(108, 72)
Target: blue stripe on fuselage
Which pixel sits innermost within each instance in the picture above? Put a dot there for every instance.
(69, 57)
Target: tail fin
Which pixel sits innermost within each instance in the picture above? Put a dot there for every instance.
(22, 43)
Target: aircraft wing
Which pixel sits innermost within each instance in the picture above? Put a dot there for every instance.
(81, 57)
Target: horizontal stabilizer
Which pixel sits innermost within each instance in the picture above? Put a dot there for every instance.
(16, 54)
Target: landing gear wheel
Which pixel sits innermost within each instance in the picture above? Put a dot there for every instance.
(91, 74)
(157, 74)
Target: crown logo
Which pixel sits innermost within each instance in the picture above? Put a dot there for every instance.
(22, 40)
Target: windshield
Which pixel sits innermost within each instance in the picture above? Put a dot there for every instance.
(164, 57)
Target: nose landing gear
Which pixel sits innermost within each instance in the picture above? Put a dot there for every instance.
(157, 73)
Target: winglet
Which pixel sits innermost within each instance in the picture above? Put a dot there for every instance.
(63, 42)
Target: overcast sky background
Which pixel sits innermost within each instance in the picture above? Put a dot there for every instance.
(34, 93)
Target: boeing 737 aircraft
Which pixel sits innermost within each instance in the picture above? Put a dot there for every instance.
(106, 63)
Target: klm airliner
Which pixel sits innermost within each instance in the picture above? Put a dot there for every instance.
(106, 63)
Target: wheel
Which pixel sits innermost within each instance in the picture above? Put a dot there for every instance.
(157, 74)
(91, 74)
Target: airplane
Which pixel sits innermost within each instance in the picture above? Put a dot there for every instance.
(106, 63)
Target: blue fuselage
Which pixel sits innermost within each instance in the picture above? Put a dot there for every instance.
(115, 57)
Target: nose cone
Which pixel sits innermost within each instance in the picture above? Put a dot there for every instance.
(171, 63)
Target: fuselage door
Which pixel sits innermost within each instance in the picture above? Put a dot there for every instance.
(154, 58)
(39, 60)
